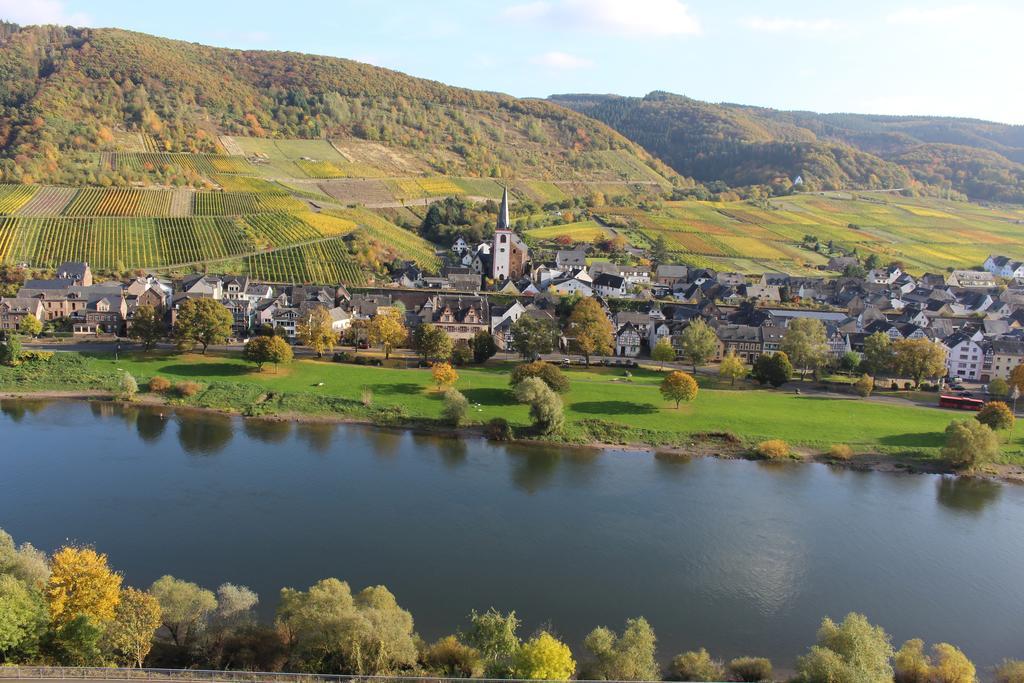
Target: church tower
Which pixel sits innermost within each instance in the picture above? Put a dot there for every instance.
(501, 250)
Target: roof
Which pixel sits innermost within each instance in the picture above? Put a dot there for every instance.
(609, 280)
(503, 218)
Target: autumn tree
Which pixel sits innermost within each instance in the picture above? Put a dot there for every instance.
(261, 350)
(590, 330)
(919, 358)
(853, 650)
(202, 321)
(432, 342)
(184, 607)
(969, 444)
(1016, 380)
(387, 330)
(136, 619)
(946, 664)
(696, 665)
(317, 331)
(81, 584)
(997, 415)
(678, 386)
(663, 351)
(626, 657)
(543, 658)
(806, 344)
(444, 374)
(699, 343)
(732, 367)
(147, 326)
(30, 326)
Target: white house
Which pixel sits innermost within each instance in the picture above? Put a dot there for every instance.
(965, 358)
(608, 285)
(627, 341)
(1003, 266)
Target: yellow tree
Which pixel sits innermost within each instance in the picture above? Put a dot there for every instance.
(387, 330)
(136, 619)
(732, 366)
(81, 584)
(590, 329)
(679, 386)
(1017, 378)
(444, 374)
(543, 658)
(317, 331)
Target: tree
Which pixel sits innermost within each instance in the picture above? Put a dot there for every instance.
(261, 350)
(678, 386)
(806, 344)
(30, 326)
(317, 331)
(545, 405)
(750, 669)
(543, 658)
(864, 386)
(919, 358)
(551, 374)
(136, 619)
(432, 342)
(24, 563)
(450, 658)
(1017, 379)
(997, 415)
(629, 657)
(853, 651)
(663, 352)
(387, 330)
(147, 326)
(969, 444)
(1010, 671)
(999, 389)
(75, 643)
(184, 607)
(659, 249)
(699, 343)
(10, 350)
(456, 407)
(202, 321)
(483, 345)
(493, 634)
(127, 387)
(849, 362)
(444, 374)
(23, 619)
(947, 665)
(774, 369)
(533, 337)
(695, 666)
(733, 367)
(81, 584)
(878, 356)
(590, 329)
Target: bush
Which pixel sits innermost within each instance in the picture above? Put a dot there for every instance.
(366, 397)
(969, 444)
(456, 407)
(36, 356)
(999, 388)
(864, 386)
(448, 657)
(546, 408)
(498, 429)
(840, 451)
(188, 388)
(1010, 671)
(997, 415)
(750, 669)
(773, 449)
(695, 666)
(159, 384)
(127, 388)
(462, 354)
(550, 374)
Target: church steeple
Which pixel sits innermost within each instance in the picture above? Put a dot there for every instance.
(503, 220)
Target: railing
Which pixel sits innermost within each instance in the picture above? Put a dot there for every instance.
(49, 673)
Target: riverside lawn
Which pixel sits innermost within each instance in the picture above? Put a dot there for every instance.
(602, 405)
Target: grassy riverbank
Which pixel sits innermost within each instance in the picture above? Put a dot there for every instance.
(603, 405)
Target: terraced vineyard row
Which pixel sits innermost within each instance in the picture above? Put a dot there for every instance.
(202, 164)
(13, 197)
(408, 244)
(330, 169)
(318, 263)
(119, 202)
(241, 203)
(275, 229)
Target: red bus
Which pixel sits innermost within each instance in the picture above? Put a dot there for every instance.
(960, 402)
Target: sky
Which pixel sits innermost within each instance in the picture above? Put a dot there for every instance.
(936, 57)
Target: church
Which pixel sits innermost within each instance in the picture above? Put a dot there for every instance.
(509, 254)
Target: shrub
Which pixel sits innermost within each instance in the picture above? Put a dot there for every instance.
(36, 356)
(750, 669)
(997, 415)
(127, 388)
(550, 374)
(366, 397)
(448, 657)
(546, 409)
(773, 449)
(188, 388)
(159, 384)
(456, 407)
(462, 354)
(840, 451)
(864, 386)
(695, 666)
(1010, 671)
(969, 444)
(498, 429)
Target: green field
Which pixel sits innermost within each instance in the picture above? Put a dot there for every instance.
(580, 231)
(632, 404)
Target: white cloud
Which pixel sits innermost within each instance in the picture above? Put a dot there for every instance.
(41, 12)
(787, 25)
(633, 18)
(561, 60)
(948, 15)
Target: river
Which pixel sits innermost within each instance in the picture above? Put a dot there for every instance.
(736, 556)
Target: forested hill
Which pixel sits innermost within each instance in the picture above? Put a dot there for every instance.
(744, 145)
(69, 93)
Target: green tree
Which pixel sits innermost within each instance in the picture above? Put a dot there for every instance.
(147, 326)
(184, 607)
(76, 643)
(699, 343)
(30, 326)
(24, 563)
(946, 665)
(695, 666)
(919, 358)
(590, 330)
(533, 337)
(432, 342)
(629, 657)
(387, 330)
(543, 658)
(261, 350)
(23, 620)
(136, 619)
(997, 415)
(849, 362)
(733, 367)
(774, 369)
(493, 634)
(546, 409)
(483, 345)
(456, 407)
(970, 444)
(806, 344)
(10, 350)
(317, 331)
(678, 386)
(202, 321)
(551, 374)
(878, 354)
(663, 351)
(659, 249)
(999, 389)
(853, 651)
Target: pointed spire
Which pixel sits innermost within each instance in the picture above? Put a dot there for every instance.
(503, 220)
